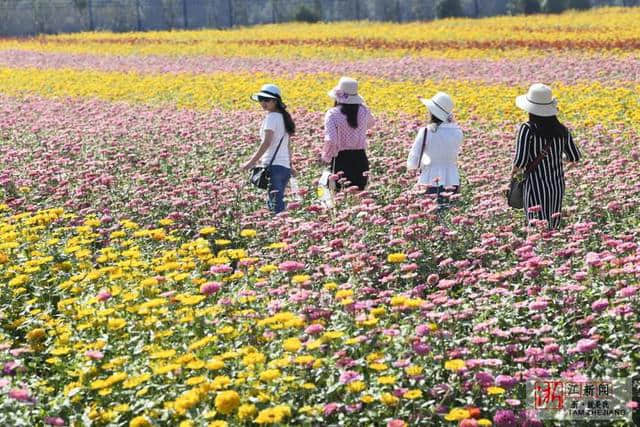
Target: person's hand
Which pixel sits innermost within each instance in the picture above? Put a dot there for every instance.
(247, 166)
(294, 172)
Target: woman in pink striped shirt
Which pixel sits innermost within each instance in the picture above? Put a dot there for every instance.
(345, 135)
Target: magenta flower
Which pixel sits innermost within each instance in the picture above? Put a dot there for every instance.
(349, 376)
(20, 394)
(290, 266)
(210, 288)
(54, 421)
(599, 305)
(505, 418)
(94, 354)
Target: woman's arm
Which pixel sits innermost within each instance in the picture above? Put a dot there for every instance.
(330, 146)
(521, 159)
(413, 160)
(266, 142)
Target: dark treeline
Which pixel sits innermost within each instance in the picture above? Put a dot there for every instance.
(28, 17)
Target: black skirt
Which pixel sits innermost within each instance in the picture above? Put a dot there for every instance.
(353, 164)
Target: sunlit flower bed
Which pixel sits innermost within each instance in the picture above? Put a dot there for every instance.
(143, 283)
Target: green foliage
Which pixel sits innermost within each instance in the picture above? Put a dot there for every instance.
(304, 14)
(580, 4)
(520, 7)
(554, 6)
(448, 9)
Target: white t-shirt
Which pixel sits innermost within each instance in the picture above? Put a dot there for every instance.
(275, 122)
(439, 159)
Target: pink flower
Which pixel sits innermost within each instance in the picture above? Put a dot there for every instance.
(468, 422)
(219, 269)
(396, 423)
(586, 345)
(54, 421)
(20, 394)
(599, 305)
(314, 329)
(94, 354)
(104, 295)
(210, 288)
(432, 279)
(349, 376)
(290, 266)
(538, 305)
(330, 408)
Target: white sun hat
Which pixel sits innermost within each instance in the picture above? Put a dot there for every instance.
(268, 91)
(441, 106)
(539, 101)
(346, 92)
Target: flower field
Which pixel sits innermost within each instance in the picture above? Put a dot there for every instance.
(144, 283)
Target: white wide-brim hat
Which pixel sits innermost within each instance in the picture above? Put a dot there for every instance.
(441, 106)
(346, 92)
(539, 101)
(268, 91)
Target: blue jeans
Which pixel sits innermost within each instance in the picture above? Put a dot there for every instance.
(279, 179)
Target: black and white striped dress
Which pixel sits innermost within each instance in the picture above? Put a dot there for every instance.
(544, 186)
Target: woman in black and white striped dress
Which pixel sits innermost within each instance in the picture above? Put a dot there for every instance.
(544, 185)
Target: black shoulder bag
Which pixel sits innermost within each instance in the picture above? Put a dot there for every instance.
(260, 176)
(515, 193)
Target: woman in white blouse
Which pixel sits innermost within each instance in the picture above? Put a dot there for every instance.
(436, 147)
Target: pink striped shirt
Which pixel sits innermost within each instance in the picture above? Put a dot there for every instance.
(339, 136)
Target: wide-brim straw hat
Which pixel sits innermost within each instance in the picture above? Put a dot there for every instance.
(440, 105)
(268, 91)
(346, 92)
(539, 101)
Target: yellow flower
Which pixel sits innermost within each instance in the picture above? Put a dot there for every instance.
(246, 411)
(218, 423)
(37, 334)
(227, 401)
(413, 370)
(214, 364)
(454, 365)
(273, 415)
(457, 414)
(269, 374)
(140, 421)
(292, 344)
(386, 380)
(388, 399)
(367, 398)
(484, 422)
(207, 230)
(247, 232)
(356, 386)
(495, 390)
(396, 258)
(116, 324)
(412, 394)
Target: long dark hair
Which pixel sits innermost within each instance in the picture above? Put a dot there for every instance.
(547, 127)
(289, 125)
(351, 111)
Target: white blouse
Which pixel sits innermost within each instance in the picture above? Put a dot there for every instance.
(439, 159)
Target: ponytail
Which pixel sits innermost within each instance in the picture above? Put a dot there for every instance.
(289, 125)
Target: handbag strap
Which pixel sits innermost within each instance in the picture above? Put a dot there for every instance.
(276, 152)
(538, 159)
(424, 141)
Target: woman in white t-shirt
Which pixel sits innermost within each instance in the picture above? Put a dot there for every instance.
(274, 150)
(436, 147)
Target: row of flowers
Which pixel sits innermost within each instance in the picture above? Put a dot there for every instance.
(581, 103)
(614, 29)
(607, 69)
